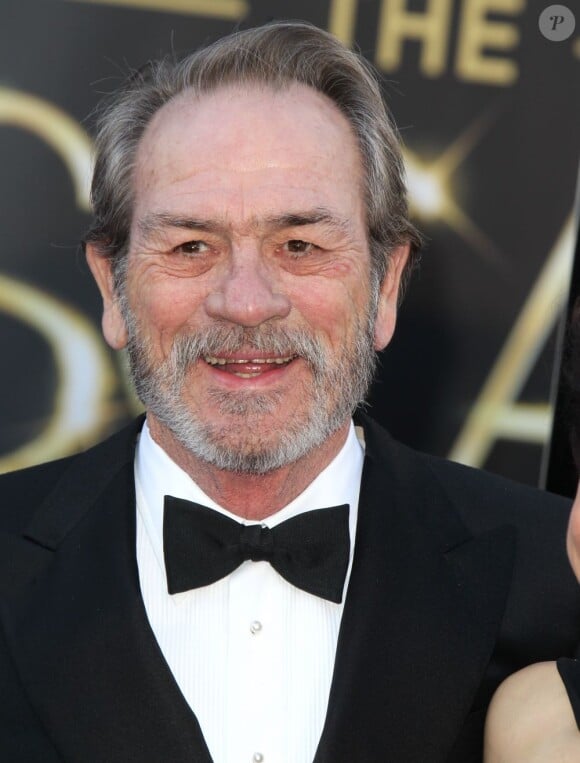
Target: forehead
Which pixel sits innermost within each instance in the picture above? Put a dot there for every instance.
(253, 147)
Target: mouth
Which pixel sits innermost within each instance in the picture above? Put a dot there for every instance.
(249, 368)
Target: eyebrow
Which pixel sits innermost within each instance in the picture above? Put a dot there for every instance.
(311, 217)
(158, 221)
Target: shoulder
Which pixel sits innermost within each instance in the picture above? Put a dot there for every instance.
(530, 719)
(482, 499)
(23, 491)
(473, 503)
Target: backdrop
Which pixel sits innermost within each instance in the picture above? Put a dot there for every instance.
(489, 112)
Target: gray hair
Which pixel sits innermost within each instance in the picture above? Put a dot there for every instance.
(275, 55)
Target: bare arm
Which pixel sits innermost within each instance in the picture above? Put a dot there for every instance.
(530, 720)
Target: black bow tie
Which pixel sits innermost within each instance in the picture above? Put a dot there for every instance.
(200, 545)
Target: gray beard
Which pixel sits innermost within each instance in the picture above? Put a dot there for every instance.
(249, 445)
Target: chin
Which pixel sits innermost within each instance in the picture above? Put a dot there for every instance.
(258, 444)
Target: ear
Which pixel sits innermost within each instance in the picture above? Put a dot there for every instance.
(573, 536)
(113, 324)
(389, 294)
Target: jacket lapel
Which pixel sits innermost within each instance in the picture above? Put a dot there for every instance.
(81, 640)
(422, 611)
(78, 629)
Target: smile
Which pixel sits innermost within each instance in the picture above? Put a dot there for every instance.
(213, 361)
(248, 368)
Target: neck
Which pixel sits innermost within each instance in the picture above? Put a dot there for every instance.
(250, 496)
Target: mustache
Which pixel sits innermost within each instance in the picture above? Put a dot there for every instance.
(222, 340)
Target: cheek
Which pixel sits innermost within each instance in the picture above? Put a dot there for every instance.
(330, 311)
(164, 312)
(165, 300)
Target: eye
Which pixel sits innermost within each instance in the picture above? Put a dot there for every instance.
(191, 247)
(297, 247)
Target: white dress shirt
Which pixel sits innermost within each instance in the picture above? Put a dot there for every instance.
(252, 654)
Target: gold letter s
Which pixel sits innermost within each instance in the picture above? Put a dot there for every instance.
(86, 377)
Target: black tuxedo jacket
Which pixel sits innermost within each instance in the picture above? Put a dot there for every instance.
(458, 579)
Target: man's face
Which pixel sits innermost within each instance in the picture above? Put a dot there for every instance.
(247, 305)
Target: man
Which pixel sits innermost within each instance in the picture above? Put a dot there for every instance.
(246, 576)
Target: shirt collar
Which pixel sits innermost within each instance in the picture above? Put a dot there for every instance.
(157, 475)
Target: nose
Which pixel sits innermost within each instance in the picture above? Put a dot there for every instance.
(246, 293)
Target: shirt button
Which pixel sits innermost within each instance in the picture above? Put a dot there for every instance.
(256, 627)
(257, 757)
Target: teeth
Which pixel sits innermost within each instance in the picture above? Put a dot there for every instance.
(213, 361)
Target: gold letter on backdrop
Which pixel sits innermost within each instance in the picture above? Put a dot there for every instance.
(55, 128)
(496, 413)
(477, 33)
(85, 377)
(220, 9)
(430, 26)
(342, 20)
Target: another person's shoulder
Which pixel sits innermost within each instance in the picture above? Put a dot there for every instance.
(530, 719)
